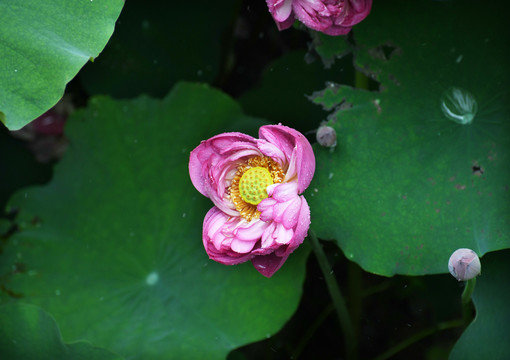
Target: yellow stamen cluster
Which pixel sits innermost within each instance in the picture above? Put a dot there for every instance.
(249, 184)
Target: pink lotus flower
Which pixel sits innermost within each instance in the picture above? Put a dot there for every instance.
(255, 186)
(332, 17)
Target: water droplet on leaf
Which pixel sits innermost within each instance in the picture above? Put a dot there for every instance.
(152, 278)
(459, 105)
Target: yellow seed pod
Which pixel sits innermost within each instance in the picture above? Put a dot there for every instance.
(253, 185)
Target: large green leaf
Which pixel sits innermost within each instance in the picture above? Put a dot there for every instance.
(43, 45)
(28, 332)
(407, 185)
(488, 336)
(116, 252)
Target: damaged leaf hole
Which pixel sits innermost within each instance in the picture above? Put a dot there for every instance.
(477, 170)
(385, 51)
(368, 79)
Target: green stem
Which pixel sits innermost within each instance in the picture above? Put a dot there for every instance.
(468, 291)
(467, 309)
(336, 296)
(419, 336)
(360, 80)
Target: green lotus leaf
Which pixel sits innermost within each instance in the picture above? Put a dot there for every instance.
(112, 246)
(43, 45)
(28, 332)
(421, 166)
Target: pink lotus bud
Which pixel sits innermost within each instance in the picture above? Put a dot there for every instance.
(332, 17)
(255, 186)
(464, 264)
(326, 136)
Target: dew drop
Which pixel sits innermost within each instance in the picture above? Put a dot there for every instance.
(459, 105)
(152, 278)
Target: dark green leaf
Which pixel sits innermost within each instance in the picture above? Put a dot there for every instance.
(330, 47)
(116, 252)
(407, 185)
(27, 332)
